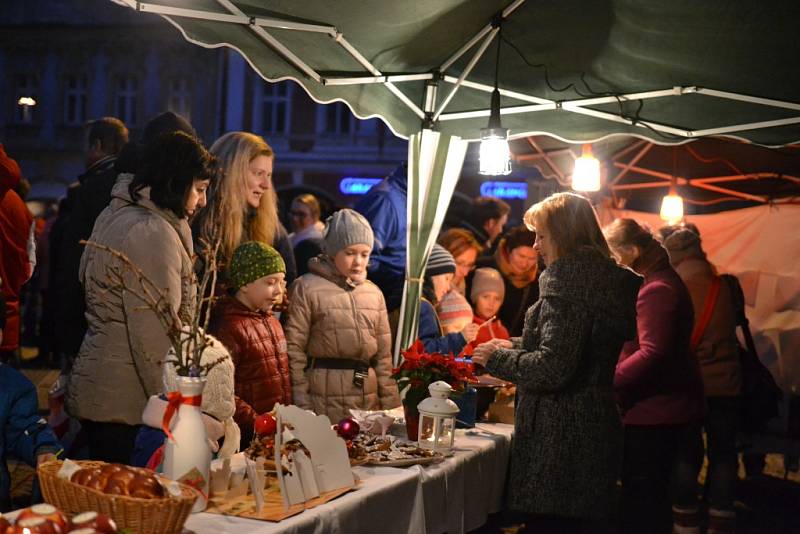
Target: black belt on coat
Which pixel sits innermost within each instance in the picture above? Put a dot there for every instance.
(360, 367)
(340, 363)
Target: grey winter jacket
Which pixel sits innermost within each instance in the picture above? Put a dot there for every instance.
(118, 366)
(567, 446)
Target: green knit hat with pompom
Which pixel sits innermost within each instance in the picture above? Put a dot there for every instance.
(253, 260)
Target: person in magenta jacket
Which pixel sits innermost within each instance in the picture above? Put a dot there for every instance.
(657, 381)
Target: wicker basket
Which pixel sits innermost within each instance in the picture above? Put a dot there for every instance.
(143, 516)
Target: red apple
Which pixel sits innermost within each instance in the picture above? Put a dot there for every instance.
(4, 524)
(97, 522)
(46, 511)
(265, 425)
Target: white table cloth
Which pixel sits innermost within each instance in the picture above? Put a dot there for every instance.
(454, 496)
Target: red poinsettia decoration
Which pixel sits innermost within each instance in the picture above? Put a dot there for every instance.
(420, 369)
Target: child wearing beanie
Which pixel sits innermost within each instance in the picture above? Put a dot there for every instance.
(337, 329)
(436, 284)
(454, 312)
(488, 291)
(244, 323)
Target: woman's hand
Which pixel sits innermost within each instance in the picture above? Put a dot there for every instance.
(484, 351)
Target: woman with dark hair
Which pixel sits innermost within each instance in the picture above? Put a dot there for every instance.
(517, 261)
(118, 366)
(657, 383)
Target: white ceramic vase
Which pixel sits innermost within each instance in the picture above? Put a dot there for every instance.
(187, 457)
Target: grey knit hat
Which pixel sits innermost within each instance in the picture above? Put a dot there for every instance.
(487, 279)
(683, 244)
(345, 228)
(440, 261)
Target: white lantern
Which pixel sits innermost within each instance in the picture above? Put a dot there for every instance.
(437, 419)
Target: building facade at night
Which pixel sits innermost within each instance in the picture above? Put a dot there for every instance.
(85, 59)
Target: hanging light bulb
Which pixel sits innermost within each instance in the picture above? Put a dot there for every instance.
(672, 205)
(586, 175)
(495, 155)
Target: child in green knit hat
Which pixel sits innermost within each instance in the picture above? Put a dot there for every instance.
(244, 323)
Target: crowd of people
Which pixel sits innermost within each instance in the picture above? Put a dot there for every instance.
(621, 343)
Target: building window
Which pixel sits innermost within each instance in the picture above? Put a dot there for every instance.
(180, 98)
(338, 119)
(275, 108)
(26, 98)
(126, 100)
(75, 99)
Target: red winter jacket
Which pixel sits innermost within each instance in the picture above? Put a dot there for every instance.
(486, 332)
(15, 225)
(258, 349)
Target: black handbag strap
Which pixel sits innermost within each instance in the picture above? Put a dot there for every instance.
(741, 317)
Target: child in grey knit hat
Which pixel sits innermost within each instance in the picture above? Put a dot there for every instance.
(337, 332)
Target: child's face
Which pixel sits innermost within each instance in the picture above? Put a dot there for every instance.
(352, 261)
(263, 293)
(488, 304)
(441, 285)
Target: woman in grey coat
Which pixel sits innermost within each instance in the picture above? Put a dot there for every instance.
(567, 446)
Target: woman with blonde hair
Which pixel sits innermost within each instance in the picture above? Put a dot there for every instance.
(568, 440)
(244, 207)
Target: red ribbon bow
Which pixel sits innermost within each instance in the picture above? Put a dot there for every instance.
(174, 400)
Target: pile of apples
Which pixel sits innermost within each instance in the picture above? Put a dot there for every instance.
(47, 519)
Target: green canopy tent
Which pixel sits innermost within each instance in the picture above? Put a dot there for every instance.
(579, 71)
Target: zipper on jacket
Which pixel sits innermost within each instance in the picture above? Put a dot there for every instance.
(360, 340)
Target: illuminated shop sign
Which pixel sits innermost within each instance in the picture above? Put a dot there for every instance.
(505, 189)
(357, 186)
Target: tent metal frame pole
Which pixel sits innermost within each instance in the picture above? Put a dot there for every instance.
(538, 156)
(733, 192)
(743, 127)
(503, 111)
(640, 123)
(631, 147)
(643, 185)
(642, 170)
(745, 177)
(233, 18)
(561, 175)
(431, 90)
(344, 43)
(751, 99)
(675, 91)
(639, 155)
(477, 37)
(273, 42)
(365, 80)
(503, 92)
(467, 70)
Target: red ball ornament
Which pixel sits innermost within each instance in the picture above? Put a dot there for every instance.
(347, 428)
(265, 425)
